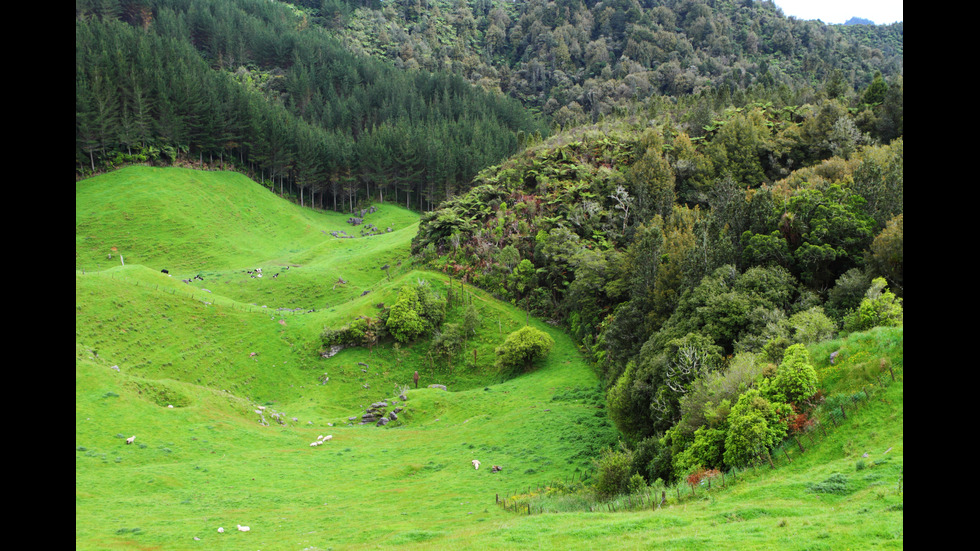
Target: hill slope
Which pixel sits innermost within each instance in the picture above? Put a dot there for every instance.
(146, 341)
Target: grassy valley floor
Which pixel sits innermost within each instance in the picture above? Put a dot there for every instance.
(222, 383)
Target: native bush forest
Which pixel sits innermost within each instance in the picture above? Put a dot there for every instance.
(698, 194)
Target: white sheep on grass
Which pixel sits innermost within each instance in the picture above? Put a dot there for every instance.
(476, 463)
(321, 439)
(131, 439)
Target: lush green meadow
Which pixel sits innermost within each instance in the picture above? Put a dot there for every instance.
(222, 382)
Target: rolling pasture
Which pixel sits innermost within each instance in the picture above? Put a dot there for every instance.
(219, 375)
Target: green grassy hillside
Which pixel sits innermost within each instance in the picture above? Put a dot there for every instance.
(222, 384)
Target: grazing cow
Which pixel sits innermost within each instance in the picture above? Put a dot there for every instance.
(416, 379)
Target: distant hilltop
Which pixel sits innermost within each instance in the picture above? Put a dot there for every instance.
(859, 21)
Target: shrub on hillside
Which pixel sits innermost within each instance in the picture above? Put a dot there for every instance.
(522, 348)
(796, 379)
(362, 331)
(708, 449)
(613, 472)
(754, 425)
(879, 307)
(417, 311)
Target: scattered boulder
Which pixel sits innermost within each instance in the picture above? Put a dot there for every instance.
(442, 387)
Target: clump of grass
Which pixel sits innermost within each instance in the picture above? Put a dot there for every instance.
(834, 484)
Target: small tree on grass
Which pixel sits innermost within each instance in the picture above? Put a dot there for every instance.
(522, 348)
(404, 321)
(613, 471)
(416, 312)
(796, 379)
(754, 425)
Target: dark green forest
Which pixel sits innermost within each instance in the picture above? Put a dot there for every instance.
(338, 101)
(250, 83)
(694, 189)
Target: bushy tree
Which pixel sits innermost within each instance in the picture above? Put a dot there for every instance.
(880, 307)
(711, 396)
(707, 450)
(522, 348)
(754, 425)
(875, 93)
(404, 322)
(613, 471)
(416, 312)
(811, 325)
(796, 379)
